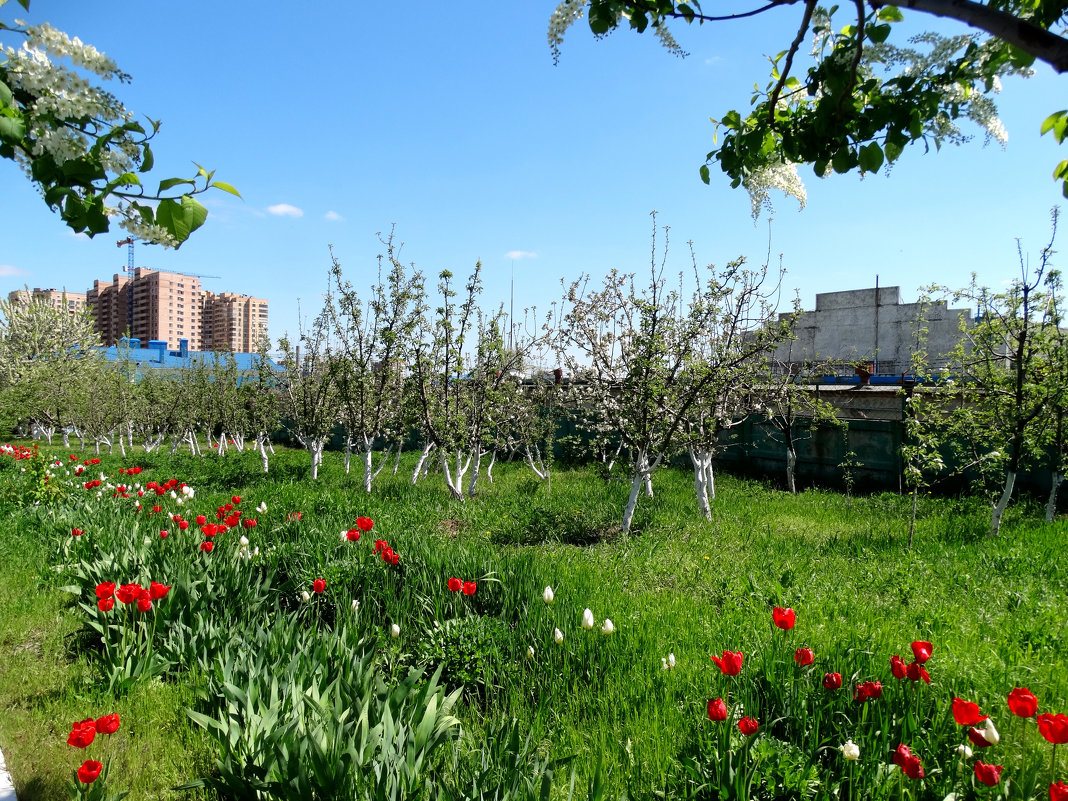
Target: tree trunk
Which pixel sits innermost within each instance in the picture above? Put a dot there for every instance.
(122, 445)
(348, 459)
(315, 448)
(489, 467)
(1051, 504)
(66, 438)
(396, 462)
(474, 471)
(642, 471)
(456, 487)
(1003, 501)
(791, 467)
(427, 448)
(263, 449)
(699, 459)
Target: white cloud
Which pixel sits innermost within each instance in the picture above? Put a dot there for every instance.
(333, 216)
(8, 271)
(285, 210)
(516, 255)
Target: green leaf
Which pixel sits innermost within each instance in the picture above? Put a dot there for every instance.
(5, 94)
(169, 183)
(147, 159)
(844, 160)
(704, 173)
(877, 33)
(892, 150)
(226, 188)
(890, 14)
(180, 219)
(12, 129)
(871, 157)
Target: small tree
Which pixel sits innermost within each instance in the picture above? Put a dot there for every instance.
(1004, 360)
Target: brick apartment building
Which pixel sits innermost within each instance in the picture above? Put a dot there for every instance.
(73, 302)
(155, 305)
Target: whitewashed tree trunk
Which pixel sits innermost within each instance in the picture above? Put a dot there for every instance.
(455, 485)
(427, 448)
(477, 453)
(174, 445)
(710, 479)
(642, 471)
(315, 448)
(536, 463)
(261, 437)
(348, 454)
(49, 432)
(396, 462)
(81, 437)
(1003, 501)
(791, 468)
(489, 467)
(66, 438)
(129, 433)
(122, 444)
(1051, 504)
(701, 460)
(648, 482)
(96, 446)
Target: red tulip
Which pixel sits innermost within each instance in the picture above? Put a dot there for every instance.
(832, 681)
(977, 738)
(76, 532)
(106, 604)
(469, 587)
(201, 520)
(353, 534)
(183, 524)
(730, 664)
(909, 764)
(89, 771)
(804, 657)
(783, 618)
(128, 593)
(82, 733)
(921, 650)
(236, 500)
(108, 724)
(987, 774)
(1058, 791)
(364, 523)
(966, 713)
(318, 586)
(455, 584)
(748, 726)
(1054, 728)
(207, 546)
(1023, 703)
(157, 590)
(868, 691)
(717, 709)
(916, 671)
(105, 589)
(144, 604)
(897, 667)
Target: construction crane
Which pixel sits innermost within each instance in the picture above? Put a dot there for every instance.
(129, 268)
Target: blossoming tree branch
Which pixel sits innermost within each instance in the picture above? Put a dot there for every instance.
(83, 148)
(840, 113)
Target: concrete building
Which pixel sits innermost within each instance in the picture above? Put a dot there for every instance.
(872, 325)
(160, 306)
(73, 302)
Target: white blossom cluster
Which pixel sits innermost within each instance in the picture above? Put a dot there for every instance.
(781, 176)
(133, 223)
(565, 15)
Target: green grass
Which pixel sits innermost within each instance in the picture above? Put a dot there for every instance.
(994, 609)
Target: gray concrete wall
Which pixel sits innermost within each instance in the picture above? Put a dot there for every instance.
(869, 325)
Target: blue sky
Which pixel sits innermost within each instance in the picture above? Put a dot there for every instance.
(451, 122)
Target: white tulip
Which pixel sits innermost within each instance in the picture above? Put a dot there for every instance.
(355, 605)
(964, 752)
(394, 631)
(990, 734)
(587, 619)
(558, 636)
(850, 750)
(671, 660)
(305, 596)
(261, 508)
(243, 541)
(607, 628)
(548, 596)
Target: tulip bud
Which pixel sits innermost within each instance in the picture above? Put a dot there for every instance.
(964, 752)
(548, 596)
(607, 628)
(355, 605)
(243, 541)
(671, 660)
(558, 636)
(394, 631)
(305, 596)
(587, 619)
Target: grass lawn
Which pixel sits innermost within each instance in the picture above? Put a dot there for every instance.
(596, 715)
